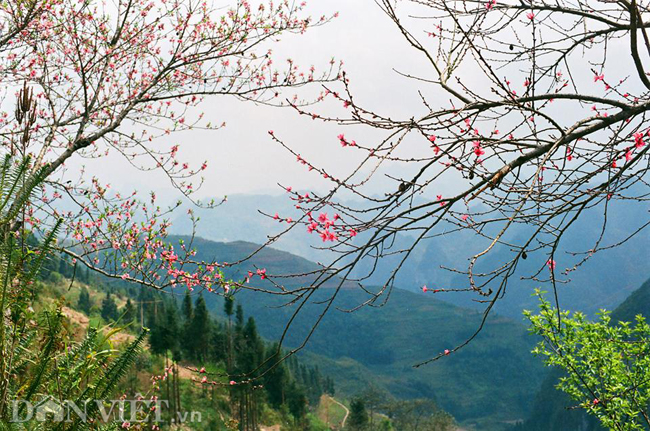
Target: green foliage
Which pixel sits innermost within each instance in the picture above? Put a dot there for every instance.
(286, 386)
(39, 358)
(358, 419)
(84, 303)
(199, 331)
(187, 306)
(418, 415)
(127, 313)
(109, 308)
(228, 304)
(491, 379)
(607, 366)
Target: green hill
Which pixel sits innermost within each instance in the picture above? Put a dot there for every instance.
(487, 383)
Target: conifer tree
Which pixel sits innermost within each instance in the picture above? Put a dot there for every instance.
(172, 329)
(218, 344)
(157, 337)
(187, 306)
(128, 312)
(314, 386)
(239, 318)
(358, 419)
(187, 312)
(199, 331)
(109, 308)
(296, 401)
(228, 306)
(329, 385)
(84, 303)
(276, 379)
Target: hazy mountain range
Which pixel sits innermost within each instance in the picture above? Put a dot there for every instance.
(604, 281)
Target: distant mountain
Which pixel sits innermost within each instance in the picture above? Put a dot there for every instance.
(588, 289)
(488, 383)
(550, 412)
(240, 219)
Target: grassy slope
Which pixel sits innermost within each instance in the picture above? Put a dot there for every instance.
(211, 403)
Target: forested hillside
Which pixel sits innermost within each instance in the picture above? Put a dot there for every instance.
(485, 383)
(198, 363)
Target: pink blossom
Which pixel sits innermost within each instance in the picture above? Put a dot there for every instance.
(638, 140)
(478, 150)
(261, 273)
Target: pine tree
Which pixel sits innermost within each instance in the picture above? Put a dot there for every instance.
(172, 329)
(314, 386)
(239, 318)
(358, 418)
(109, 308)
(330, 386)
(199, 330)
(187, 306)
(218, 345)
(253, 349)
(128, 312)
(276, 379)
(296, 401)
(65, 269)
(187, 312)
(228, 306)
(157, 337)
(84, 303)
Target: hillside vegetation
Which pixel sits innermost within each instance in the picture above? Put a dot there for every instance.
(487, 383)
(553, 410)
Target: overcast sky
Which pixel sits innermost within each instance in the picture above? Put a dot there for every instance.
(242, 157)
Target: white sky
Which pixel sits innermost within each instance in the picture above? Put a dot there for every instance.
(243, 159)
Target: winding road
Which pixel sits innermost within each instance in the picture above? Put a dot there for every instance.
(347, 412)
